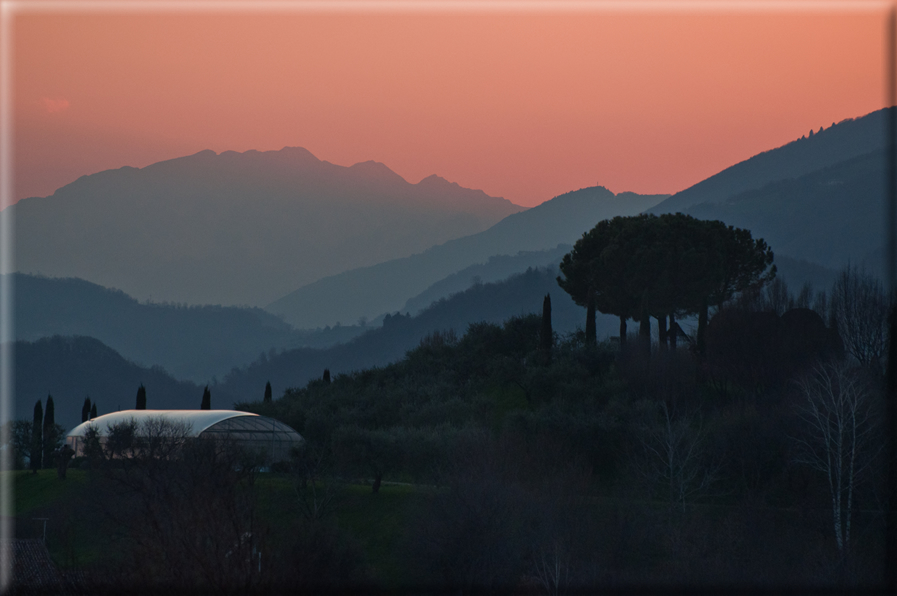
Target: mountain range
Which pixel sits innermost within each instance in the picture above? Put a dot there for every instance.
(385, 287)
(239, 228)
(818, 202)
(840, 142)
(519, 294)
(72, 368)
(190, 342)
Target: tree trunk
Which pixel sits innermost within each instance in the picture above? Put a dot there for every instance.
(662, 333)
(672, 334)
(702, 328)
(644, 335)
(591, 334)
(622, 333)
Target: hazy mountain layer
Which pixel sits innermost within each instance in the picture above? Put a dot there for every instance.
(371, 291)
(495, 269)
(72, 368)
(797, 272)
(491, 302)
(195, 343)
(239, 228)
(840, 142)
(829, 217)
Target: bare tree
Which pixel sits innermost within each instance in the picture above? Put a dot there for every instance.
(551, 567)
(838, 417)
(675, 456)
(859, 307)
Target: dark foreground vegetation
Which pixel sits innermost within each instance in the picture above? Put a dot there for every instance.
(748, 454)
(581, 466)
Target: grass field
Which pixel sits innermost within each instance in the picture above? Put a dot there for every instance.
(377, 522)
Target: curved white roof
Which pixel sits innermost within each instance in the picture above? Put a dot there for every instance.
(198, 420)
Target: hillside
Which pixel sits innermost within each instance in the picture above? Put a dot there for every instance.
(840, 142)
(829, 217)
(370, 291)
(239, 228)
(491, 302)
(72, 368)
(497, 268)
(191, 342)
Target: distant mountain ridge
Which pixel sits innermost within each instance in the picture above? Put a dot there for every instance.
(520, 294)
(239, 228)
(371, 291)
(196, 343)
(831, 216)
(72, 368)
(840, 142)
(496, 269)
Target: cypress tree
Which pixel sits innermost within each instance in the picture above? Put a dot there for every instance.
(206, 399)
(49, 439)
(85, 410)
(267, 399)
(37, 437)
(327, 375)
(93, 411)
(546, 335)
(141, 398)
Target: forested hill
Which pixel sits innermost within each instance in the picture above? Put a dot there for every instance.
(497, 268)
(72, 368)
(490, 302)
(191, 342)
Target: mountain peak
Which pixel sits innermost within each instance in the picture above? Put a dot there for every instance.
(434, 180)
(297, 153)
(376, 170)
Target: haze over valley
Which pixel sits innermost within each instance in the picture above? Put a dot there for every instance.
(238, 226)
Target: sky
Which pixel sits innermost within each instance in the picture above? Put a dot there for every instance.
(524, 103)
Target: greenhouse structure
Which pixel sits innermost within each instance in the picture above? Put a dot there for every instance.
(257, 433)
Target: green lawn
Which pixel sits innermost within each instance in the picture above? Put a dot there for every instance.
(71, 540)
(33, 491)
(376, 521)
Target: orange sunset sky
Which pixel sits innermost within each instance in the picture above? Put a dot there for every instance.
(524, 103)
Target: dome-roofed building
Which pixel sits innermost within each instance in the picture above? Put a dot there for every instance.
(259, 433)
